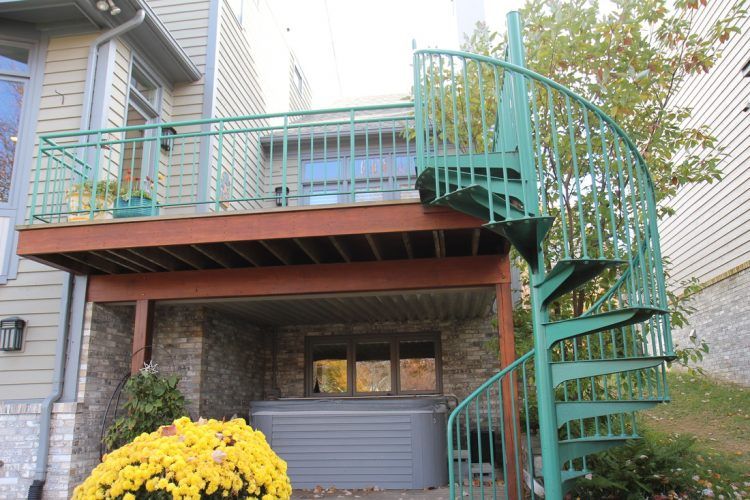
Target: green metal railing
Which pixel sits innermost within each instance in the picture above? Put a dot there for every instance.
(486, 438)
(564, 183)
(340, 155)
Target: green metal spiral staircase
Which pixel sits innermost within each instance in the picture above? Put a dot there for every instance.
(569, 190)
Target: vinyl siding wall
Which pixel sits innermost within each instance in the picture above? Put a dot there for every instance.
(35, 293)
(710, 233)
(237, 93)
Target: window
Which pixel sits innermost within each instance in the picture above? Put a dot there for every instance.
(372, 365)
(144, 99)
(298, 81)
(14, 75)
(374, 178)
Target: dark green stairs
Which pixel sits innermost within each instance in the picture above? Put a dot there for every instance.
(564, 184)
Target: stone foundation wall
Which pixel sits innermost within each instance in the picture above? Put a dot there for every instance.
(105, 361)
(468, 360)
(722, 319)
(19, 428)
(234, 364)
(178, 348)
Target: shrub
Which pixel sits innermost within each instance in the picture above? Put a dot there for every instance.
(152, 400)
(203, 459)
(654, 467)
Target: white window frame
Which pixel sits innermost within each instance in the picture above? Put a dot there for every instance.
(14, 207)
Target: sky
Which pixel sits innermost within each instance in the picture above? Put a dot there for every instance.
(366, 49)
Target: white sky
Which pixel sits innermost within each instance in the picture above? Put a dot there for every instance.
(372, 40)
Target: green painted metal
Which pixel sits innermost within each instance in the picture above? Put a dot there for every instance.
(570, 274)
(571, 370)
(256, 161)
(577, 410)
(608, 320)
(535, 160)
(542, 166)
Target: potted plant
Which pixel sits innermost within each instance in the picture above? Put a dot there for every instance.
(136, 201)
(79, 200)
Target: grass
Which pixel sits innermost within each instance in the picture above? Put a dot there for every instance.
(717, 415)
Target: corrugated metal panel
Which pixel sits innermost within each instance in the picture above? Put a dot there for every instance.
(709, 234)
(439, 304)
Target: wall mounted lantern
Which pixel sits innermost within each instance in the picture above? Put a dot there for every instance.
(279, 197)
(11, 334)
(167, 138)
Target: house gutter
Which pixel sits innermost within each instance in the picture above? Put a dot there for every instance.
(88, 89)
(40, 474)
(42, 458)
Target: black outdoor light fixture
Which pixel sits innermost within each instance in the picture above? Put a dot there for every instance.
(167, 138)
(11, 334)
(279, 198)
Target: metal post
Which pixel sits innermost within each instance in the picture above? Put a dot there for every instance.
(545, 391)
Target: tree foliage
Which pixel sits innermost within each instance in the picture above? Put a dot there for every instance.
(631, 61)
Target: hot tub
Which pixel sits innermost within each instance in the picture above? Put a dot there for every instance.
(391, 443)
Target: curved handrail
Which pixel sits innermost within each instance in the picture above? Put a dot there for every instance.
(488, 383)
(562, 88)
(477, 429)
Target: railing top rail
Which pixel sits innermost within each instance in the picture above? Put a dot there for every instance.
(207, 121)
(553, 84)
(492, 380)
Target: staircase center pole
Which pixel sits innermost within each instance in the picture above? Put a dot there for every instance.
(551, 467)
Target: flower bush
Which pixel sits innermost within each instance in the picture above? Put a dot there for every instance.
(185, 460)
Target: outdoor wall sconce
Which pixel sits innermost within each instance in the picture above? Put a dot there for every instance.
(279, 198)
(167, 138)
(11, 334)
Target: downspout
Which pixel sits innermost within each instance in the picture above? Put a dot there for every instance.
(40, 473)
(88, 89)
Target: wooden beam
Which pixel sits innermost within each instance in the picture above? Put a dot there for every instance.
(244, 251)
(244, 226)
(142, 334)
(189, 256)
(156, 256)
(97, 262)
(218, 253)
(339, 246)
(355, 277)
(135, 260)
(310, 250)
(116, 259)
(373, 246)
(475, 234)
(407, 245)
(277, 250)
(507, 345)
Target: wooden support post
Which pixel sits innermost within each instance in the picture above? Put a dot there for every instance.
(142, 334)
(511, 405)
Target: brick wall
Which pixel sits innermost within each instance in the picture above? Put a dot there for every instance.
(19, 428)
(467, 359)
(178, 347)
(722, 319)
(105, 360)
(234, 364)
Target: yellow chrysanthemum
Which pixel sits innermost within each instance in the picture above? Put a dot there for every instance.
(188, 459)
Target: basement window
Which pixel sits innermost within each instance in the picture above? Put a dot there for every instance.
(373, 365)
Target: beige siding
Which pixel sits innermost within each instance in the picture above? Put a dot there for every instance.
(710, 233)
(35, 293)
(187, 21)
(299, 88)
(238, 93)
